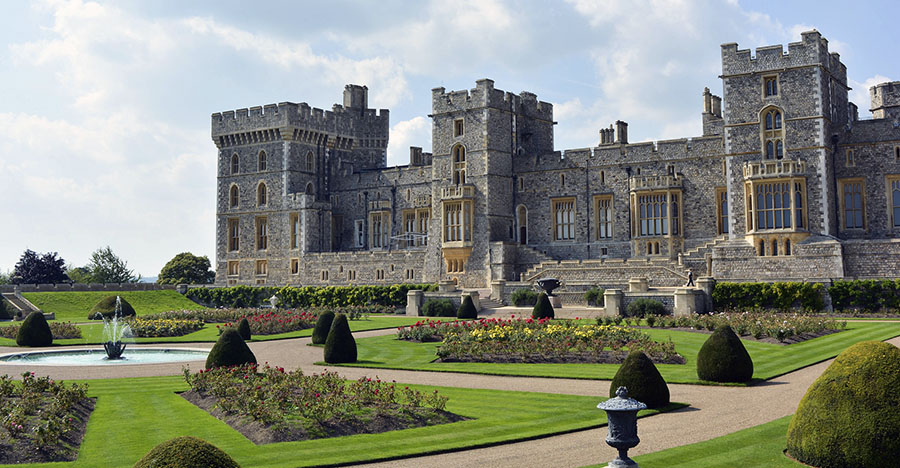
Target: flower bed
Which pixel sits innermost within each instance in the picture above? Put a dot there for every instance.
(42, 420)
(60, 330)
(528, 340)
(778, 326)
(274, 321)
(267, 404)
(154, 328)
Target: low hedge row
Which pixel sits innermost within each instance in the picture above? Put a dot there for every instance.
(807, 296)
(306, 296)
(866, 295)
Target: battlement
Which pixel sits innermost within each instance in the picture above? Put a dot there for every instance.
(811, 50)
(485, 95)
(885, 99)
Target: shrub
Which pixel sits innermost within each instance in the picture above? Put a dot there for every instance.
(230, 350)
(323, 326)
(543, 308)
(644, 383)
(849, 416)
(106, 309)
(5, 312)
(523, 297)
(35, 331)
(723, 358)
(186, 452)
(645, 307)
(866, 295)
(467, 309)
(340, 347)
(438, 308)
(243, 329)
(808, 296)
(594, 297)
(307, 296)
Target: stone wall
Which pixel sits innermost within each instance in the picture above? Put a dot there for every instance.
(62, 287)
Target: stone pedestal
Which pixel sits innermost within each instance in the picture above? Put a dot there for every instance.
(707, 284)
(446, 286)
(612, 302)
(475, 298)
(638, 284)
(497, 289)
(415, 298)
(688, 301)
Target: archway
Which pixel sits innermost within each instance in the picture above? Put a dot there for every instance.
(522, 221)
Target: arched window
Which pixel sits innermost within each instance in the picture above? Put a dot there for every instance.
(309, 189)
(762, 248)
(262, 161)
(772, 134)
(787, 246)
(261, 194)
(562, 179)
(235, 164)
(774, 247)
(234, 196)
(459, 164)
(310, 162)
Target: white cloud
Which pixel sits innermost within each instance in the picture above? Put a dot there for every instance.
(413, 132)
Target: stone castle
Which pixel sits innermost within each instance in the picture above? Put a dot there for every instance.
(786, 183)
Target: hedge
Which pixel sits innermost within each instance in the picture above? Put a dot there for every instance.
(306, 296)
(866, 295)
(784, 296)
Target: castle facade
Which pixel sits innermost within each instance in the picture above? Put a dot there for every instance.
(786, 183)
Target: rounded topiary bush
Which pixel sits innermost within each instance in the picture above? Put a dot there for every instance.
(230, 350)
(849, 416)
(644, 307)
(723, 358)
(243, 329)
(186, 452)
(523, 297)
(467, 309)
(594, 297)
(543, 308)
(35, 331)
(438, 308)
(106, 309)
(340, 346)
(644, 383)
(323, 326)
(5, 311)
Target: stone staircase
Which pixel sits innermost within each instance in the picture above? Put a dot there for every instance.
(21, 307)
(490, 303)
(661, 272)
(699, 252)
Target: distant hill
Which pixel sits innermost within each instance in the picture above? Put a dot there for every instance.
(148, 279)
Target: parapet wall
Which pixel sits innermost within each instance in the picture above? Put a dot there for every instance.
(339, 119)
(62, 287)
(485, 95)
(811, 50)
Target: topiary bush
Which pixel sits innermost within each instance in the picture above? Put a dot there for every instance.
(644, 383)
(523, 297)
(781, 295)
(438, 308)
(340, 347)
(230, 350)
(467, 309)
(35, 331)
(186, 452)
(543, 308)
(5, 310)
(723, 358)
(594, 297)
(849, 416)
(644, 307)
(323, 326)
(106, 309)
(243, 329)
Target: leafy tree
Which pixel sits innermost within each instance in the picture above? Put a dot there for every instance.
(79, 274)
(5, 277)
(34, 268)
(187, 268)
(107, 267)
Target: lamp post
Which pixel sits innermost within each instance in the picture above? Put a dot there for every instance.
(621, 412)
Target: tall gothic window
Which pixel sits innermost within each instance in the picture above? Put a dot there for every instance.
(310, 162)
(261, 194)
(295, 230)
(459, 164)
(658, 214)
(234, 235)
(604, 217)
(262, 233)
(773, 134)
(722, 210)
(234, 197)
(894, 200)
(563, 219)
(262, 161)
(852, 203)
(235, 164)
(776, 204)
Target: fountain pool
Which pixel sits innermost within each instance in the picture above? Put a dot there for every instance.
(97, 357)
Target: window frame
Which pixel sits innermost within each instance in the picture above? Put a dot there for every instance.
(262, 233)
(893, 215)
(262, 162)
(262, 194)
(262, 268)
(564, 230)
(843, 185)
(772, 91)
(752, 211)
(459, 127)
(296, 230)
(598, 217)
(233, 268)
(665, 221)
(359, 231)
(234, 197)
(379, 221)
(458, 165)
(721, 211)
(233, 234)
(771, 123)
(235, 164)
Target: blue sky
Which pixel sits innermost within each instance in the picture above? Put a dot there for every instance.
(104, 107)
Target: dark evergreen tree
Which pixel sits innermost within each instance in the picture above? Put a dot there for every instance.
(723, 358)
(323, 326)
(340, 347)
(643, 380)
(543, 308)
(187, 268)
(230, 350)
(39, 269)
(243, 329)
(35, 331)
(467, 309)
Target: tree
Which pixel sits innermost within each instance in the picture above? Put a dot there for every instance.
(187, 268)
(34, 268)
(79, 274)
(107, 267)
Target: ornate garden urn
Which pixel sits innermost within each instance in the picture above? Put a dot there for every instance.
(621, 412)
(548, 285)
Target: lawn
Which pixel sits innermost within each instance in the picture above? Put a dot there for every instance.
(152, 405)
(760, 446)
(770, 360)
(75, 305)
(92, 333)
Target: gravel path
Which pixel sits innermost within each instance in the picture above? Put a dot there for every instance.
(713, 411)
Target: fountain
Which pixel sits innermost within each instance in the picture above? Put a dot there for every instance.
(113, 332)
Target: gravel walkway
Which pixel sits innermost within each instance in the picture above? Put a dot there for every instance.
(714, 411)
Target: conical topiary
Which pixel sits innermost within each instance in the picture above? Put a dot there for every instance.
(543, 308)
(35, 331)
(230, 350)
(243, 329)
(340, 346)
(644, 383)
(106, 309)
(323, 326)
(5, 313)
(723, 358)
(849, 416)
(186, 452)
(467, 309)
